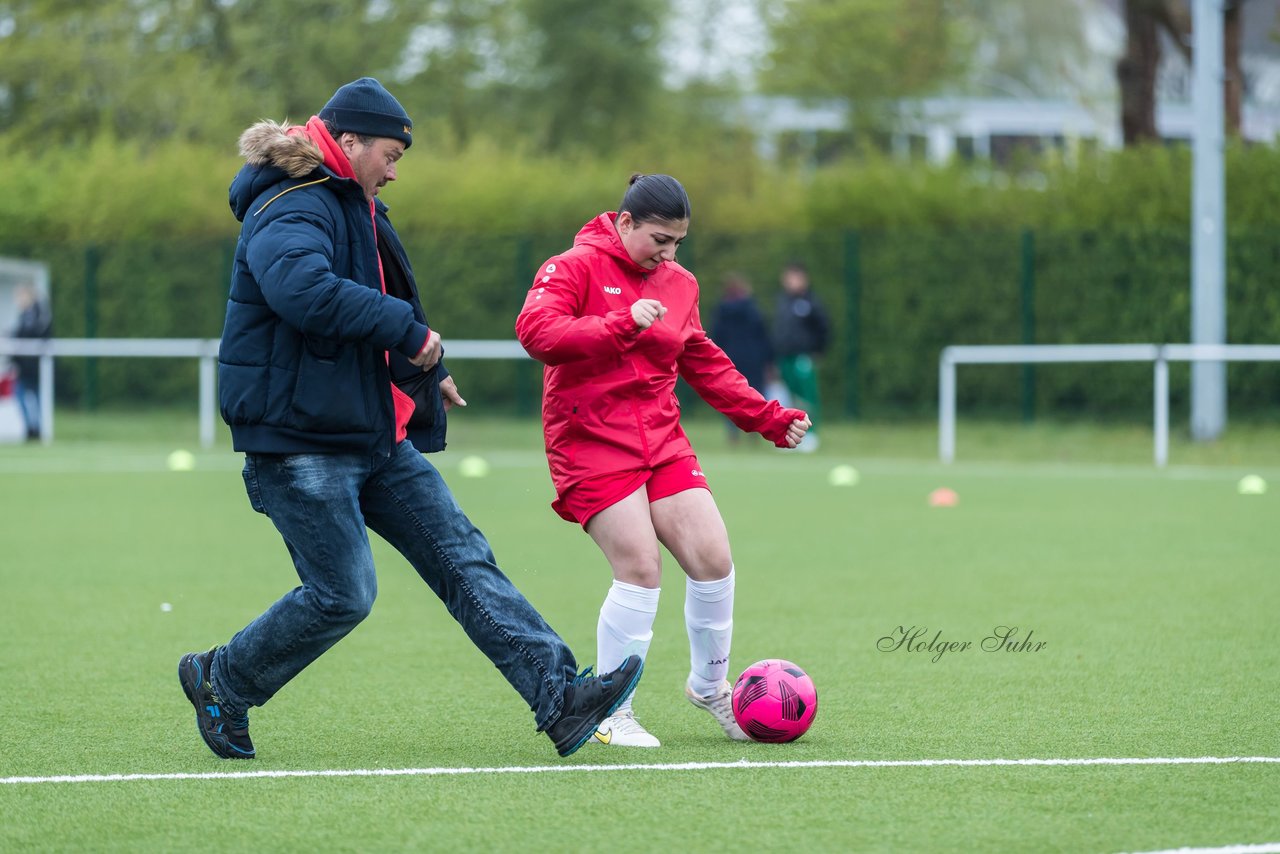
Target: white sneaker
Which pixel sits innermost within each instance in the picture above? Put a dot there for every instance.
(720, 705)
(621, 729)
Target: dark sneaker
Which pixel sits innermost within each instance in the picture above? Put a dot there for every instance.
(589, 700)
(226, 734)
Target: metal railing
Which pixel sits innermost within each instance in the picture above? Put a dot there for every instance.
(203, 349)
(1018, 354)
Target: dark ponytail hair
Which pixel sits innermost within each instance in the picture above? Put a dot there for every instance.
(655, 197)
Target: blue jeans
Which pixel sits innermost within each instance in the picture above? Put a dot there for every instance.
(29, 402)
(321, 504)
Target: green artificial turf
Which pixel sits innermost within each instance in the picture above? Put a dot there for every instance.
(1153, 593)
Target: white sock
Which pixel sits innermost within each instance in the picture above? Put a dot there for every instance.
(625, 626)
(708, 615)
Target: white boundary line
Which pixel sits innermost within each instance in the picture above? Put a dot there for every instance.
(1261, 848)
(674, 766)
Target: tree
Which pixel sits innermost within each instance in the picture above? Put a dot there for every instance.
(1029, 50)
(1136, 71)
(596, 77)
(869, 53)
(556, 75)
(1233, 94)
(460, 65)
(156, 69)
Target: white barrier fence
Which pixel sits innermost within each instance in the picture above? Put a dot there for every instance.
(203, 349)
(1020, 354)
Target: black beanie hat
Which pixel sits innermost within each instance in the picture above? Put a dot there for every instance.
(366, 108)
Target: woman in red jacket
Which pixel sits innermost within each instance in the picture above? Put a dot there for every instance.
(615, 320)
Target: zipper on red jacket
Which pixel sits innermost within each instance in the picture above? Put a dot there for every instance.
(644, 441)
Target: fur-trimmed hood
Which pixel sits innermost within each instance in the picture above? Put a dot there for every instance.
(269, 143)
(273, 153)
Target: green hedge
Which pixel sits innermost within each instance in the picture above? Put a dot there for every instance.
(908, 259)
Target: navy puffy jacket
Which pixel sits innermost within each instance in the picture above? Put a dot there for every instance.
(302, 366)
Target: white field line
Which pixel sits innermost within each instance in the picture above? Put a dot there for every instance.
(673, 766)
(1261, 848)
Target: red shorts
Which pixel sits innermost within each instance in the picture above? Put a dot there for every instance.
(588, 497)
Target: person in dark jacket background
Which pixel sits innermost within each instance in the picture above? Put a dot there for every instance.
(739, 328)
(330, 380)
(34, 322)
(800, 329)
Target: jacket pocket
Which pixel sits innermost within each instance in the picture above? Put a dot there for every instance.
(321, 349)
(329, 394)
(251, 487)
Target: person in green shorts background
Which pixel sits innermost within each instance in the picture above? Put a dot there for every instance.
(800, 331)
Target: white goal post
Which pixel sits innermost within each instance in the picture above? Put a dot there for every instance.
(1021, 354)
(203, 349)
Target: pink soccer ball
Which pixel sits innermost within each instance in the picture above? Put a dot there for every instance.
(774, 701)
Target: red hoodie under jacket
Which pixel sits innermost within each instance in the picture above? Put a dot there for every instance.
(609, 402)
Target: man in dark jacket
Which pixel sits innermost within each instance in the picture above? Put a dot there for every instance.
(800, 330)
(739, 328)
(329, 376)
(34, 322)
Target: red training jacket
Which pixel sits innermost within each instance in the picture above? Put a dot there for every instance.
(609, 402)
